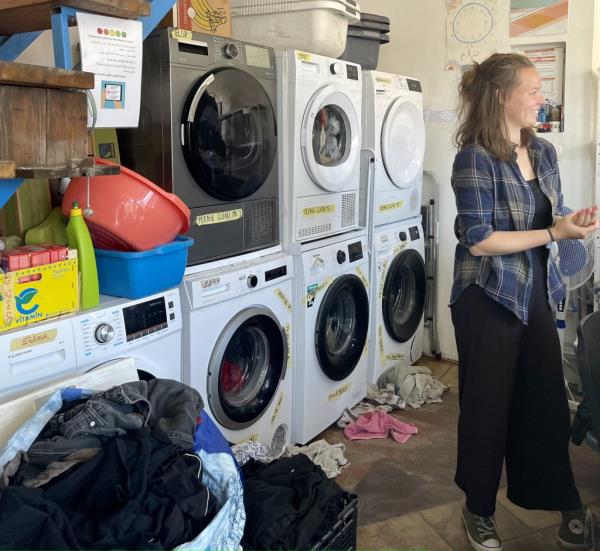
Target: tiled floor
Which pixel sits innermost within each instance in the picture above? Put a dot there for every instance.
(407, 497)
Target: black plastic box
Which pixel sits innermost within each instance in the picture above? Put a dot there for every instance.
(342, 535)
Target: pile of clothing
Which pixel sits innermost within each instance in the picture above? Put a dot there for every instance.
(115, 469)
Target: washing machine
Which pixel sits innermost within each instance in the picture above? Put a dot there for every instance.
(147, 330)
(237, 348)
(208, 133)
(331, 330)
(394, 132)
(397, 296)
(320, 106)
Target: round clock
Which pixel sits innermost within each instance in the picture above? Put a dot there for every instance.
(472, 23)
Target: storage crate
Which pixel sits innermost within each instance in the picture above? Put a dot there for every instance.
(139, 274)
(362, 47)
(342, 535)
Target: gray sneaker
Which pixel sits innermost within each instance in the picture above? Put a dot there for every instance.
(579, 530)
(481, 532)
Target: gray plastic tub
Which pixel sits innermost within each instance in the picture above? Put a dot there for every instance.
(362, 47)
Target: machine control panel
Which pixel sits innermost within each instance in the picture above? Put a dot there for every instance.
(355, 251)
(414, 233)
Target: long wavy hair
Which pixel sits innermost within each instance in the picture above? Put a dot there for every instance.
(482, 92)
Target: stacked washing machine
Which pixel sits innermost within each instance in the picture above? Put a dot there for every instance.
(394, 140)
(320, 117)
(208, 132)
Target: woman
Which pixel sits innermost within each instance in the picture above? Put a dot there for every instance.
(513, 405)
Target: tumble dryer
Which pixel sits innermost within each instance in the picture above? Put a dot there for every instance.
(148, 330)
(237, 347)
(394, 130)
(208, 133)
(397, 296)
(319, 106)
(331, 330)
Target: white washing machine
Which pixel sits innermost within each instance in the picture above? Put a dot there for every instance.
(147, 330)
(394, 130)
(331, 330)
(397, 296)
(320, 137)
(237, 347)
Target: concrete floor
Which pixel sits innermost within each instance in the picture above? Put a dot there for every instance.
(407, 497)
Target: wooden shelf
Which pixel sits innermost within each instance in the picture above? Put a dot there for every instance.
(82, 167)
(22, 74)
(19, 16)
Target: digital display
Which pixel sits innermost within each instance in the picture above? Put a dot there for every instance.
(355, 251)
(352, 72)
(276, 273)
(145, 316)
(414, 85)
(257, 56)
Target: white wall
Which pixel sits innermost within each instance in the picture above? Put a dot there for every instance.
(418, 48)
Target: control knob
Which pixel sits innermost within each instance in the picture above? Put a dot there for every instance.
(231, 50)
(104, 333)
(336, 68)
(341, 257)
(252, 281)
(402, 236)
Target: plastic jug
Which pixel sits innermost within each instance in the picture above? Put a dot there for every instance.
(79, 238)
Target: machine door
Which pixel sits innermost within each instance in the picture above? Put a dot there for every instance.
(228, 134)
(330, 138)
(342, 326)
(403, 142)
(403, 297)
(247, 363)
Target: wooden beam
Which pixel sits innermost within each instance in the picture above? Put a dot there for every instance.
(7, 169)
(18, 16)
(22, 74)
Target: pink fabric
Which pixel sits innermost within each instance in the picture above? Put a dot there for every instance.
(378, 424)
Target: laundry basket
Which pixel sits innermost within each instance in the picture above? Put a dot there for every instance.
(342, 535)
(316, 26)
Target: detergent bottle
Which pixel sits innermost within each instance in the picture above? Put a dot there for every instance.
(79, 238)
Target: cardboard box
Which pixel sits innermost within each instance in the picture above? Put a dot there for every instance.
(204, 16)
(36, 294)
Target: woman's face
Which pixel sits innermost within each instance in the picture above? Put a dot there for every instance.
(521, 107)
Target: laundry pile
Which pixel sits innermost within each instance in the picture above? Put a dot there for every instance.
(115, 469)
(414, 385)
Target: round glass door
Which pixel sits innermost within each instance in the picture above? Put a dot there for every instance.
(403, 298)
(247, 364)
(229, 135)
(330, 138)
(403, 142)
(342, 327)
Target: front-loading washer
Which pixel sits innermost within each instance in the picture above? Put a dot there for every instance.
(397, 296)
(320, 139)
(208, 133)
(237, 347)
(148, 330)
(331, 331)
(393, 130)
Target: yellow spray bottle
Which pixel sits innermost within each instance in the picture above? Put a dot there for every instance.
(79, 238)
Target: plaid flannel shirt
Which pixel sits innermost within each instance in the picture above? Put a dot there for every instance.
(492, 195)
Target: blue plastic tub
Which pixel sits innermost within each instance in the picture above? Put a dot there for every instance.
(139, 274)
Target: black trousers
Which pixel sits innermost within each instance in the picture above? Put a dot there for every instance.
(513, 406)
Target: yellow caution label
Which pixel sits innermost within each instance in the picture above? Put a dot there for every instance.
(394, 356)
(253, 437)
(324, 284)
(385, 207)
(400, 247)
(337, 393)
(33, 340)
(277, 409)
(178, 34)
(288, 335)
(362, 276)
(218, 217)
(319, 210)
(383, 268)
(381, 345)
(303, 56)
(383, 80)
(287, 304)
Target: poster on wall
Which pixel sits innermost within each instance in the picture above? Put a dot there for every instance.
(538, 17)
(549, 60)
(471, 31)
(111, 48)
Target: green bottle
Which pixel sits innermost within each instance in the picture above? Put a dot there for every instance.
(79, 238)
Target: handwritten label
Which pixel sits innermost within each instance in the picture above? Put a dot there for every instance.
(317, 211)
(218, 217)
(338, 392)
(33, 340)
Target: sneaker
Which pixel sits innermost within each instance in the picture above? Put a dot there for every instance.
(592, 531)
(571, 533)
(481, 532)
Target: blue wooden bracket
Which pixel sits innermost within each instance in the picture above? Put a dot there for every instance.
(13, 46)
(60, 37)
(158, 10)
(7, 187)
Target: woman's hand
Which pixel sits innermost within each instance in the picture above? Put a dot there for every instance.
(576, 225)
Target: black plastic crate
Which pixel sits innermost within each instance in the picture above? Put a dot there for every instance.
(342, 535)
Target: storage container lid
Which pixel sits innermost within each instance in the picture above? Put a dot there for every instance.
(374, 18)
(366, 34)
(383, 27)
